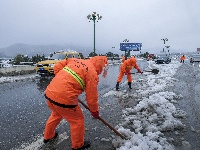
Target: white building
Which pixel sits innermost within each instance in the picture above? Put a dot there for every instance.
(5, 62)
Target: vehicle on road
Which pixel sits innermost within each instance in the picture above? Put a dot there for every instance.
(163, 59)
(45, 68)
(195, 58)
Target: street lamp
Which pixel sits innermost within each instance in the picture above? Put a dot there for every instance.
(94, 17)
(166, 39)
(126, 40)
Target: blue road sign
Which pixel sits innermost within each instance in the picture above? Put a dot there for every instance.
(130, 46)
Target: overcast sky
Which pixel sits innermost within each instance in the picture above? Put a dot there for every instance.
(65, 22)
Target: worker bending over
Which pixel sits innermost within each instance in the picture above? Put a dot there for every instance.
(125, 68)
(72, 77)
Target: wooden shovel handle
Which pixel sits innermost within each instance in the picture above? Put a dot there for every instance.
(119, 134)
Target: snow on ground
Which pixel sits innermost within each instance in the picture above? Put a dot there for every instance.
(16, 78)
(154, 113)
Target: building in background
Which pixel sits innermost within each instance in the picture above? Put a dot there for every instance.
(6, 62)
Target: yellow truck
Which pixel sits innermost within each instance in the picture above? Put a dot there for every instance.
(45, 68)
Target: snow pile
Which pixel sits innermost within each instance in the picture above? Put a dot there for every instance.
(17, 78)
(145, 123)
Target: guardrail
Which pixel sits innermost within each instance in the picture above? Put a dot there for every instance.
(25, 69)
(16, 70)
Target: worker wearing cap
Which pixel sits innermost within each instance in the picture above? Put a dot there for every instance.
(125, 68)
(72, 77)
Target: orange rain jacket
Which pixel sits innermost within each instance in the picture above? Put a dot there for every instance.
(65, 89)
(182, 58)
(126, 68)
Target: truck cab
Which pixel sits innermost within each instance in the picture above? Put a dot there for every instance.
(45, 68)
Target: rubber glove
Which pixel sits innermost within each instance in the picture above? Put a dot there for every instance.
(95, 114)
(139, 71)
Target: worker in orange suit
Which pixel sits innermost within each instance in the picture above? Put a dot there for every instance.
(182, 58)
(148, 58)
(125, 69)
(123, 58)
(72, 77)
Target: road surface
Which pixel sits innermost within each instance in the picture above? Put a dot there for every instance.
(24, 112)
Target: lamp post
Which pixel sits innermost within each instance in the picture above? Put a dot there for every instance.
(126, 40)
(166, 39)
(95, 18)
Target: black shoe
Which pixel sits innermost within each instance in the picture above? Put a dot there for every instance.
(117, 86)
(87, 144)
(55, 136)
(129, 84)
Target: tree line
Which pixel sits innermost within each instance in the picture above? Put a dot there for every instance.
(37, 58)
(24, 58)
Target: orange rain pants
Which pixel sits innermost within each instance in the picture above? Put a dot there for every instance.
(76, 121)
(121, 75)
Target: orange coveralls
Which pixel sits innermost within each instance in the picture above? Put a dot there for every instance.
(64, 89)
(126, 68)
(182, 58)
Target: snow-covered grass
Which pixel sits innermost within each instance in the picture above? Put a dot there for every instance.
(154, 113)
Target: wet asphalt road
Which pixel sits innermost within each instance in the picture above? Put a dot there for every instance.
(23, 112)
(188, 85)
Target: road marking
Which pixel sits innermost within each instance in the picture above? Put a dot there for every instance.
(39, 143)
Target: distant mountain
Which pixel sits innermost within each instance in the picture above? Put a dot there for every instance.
(32, 50)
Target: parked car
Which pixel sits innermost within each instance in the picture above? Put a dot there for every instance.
(163, 59)
(195, 58)
(45, 68)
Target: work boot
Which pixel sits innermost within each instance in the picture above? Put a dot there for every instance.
(87, 144)
(55, 136)
(117, 86)
(129, 84)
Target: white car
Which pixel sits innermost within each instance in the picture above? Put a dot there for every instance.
(195, 58)
(163, 59)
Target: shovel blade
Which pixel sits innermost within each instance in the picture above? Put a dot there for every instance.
(155, 71)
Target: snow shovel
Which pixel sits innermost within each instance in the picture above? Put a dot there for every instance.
(154, 71)
(119, 134)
